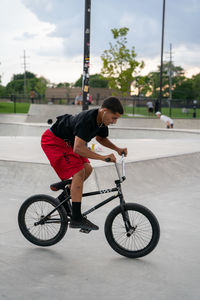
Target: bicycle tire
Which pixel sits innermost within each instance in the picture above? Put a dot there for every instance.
(140, 243)
(49, 233)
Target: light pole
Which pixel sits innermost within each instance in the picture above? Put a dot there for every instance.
(86, 59)
(161, 63)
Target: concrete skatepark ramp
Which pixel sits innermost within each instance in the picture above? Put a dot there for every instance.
(170, 272)
(40, 113)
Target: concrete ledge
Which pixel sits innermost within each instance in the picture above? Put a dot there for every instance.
(116, 131)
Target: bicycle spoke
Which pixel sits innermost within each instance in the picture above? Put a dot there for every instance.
(35, 213)
(141, 236)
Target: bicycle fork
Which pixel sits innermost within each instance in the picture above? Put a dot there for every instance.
(129, 229)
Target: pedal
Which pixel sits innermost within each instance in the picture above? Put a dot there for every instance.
(84, 230)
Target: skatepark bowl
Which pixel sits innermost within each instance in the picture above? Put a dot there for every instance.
(163, 172)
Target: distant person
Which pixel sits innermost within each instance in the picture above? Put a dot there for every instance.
(157, 106)
(90, 100)
(78, 99)
(168, 121)
(32, 96)
(150, 107)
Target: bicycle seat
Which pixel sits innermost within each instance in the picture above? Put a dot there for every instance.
(61, 185)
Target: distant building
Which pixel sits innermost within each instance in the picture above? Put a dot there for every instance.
(69, 94)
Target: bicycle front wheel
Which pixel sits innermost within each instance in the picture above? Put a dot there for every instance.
(143, 235)
(48, 232)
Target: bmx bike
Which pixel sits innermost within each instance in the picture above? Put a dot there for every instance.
(131, 229)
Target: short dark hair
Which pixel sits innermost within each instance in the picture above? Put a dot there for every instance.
(113, 104)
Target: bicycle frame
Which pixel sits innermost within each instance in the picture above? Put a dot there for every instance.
(100, 192)
(105, 191)
(116, 189)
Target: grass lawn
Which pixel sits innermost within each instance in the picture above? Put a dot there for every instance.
(8, 107)
(23, 108)
(175, 112)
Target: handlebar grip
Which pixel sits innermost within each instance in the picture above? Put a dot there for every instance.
(108, 159)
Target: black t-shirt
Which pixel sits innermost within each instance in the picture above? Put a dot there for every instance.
(84, 125)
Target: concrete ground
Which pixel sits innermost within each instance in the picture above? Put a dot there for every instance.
(162, 173)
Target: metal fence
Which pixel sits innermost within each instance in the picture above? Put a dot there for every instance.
(137, 106)
(133, 106)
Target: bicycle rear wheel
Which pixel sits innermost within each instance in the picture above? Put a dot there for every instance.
(143, 235)
(49, 232)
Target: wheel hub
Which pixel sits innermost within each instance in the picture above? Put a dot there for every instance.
(131, 231)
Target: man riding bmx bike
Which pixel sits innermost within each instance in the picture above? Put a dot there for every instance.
(65, 145)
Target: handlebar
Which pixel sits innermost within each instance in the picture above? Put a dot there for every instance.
(108, 159)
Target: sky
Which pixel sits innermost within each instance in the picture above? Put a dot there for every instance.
(51, 33)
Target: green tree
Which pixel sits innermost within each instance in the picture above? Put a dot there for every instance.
(29, 75)
(119, 63)
(152, 85)
(142, 84)
(196, 86)
(63, 84)
(184, 90)
(96, 81)
(40, 86)
(3, 91)
(16, 85)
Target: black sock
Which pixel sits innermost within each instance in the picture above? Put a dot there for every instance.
(76, 210)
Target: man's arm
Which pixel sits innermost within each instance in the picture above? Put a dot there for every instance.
(169, 124)
(107, 143)
(81, 149)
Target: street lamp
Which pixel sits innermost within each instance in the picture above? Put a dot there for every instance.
(161, 63)
(86, 59)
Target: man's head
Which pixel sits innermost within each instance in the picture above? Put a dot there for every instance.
(111, 110)
(158, 114)
(113, 104)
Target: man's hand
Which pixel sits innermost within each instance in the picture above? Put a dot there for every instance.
(122, 150)
(111, 158)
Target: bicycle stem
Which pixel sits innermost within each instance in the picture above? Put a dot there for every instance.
(121, 177)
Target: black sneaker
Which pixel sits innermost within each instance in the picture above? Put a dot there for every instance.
(83, 224)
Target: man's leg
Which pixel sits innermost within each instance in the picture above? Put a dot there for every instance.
(88, 170)
(78, 221)
(77, 186)
(76, 194)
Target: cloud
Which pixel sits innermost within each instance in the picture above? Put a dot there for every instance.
(144, 18)
(67, 17)
(26, 36)
(188, 56)
(26, 32)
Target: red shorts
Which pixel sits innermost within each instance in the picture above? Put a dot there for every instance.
(65, 162)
